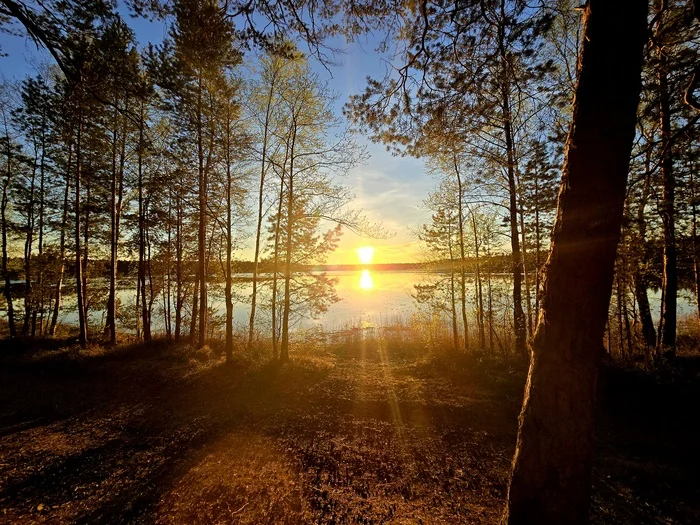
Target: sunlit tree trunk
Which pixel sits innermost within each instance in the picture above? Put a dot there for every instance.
(42, 211)
(229, 243)
(62, 248)
(462, 262)
(550, 482)
(110, 329)
(478, 284)
(179, 276)
(638, 278)
(7, 289)
(80, 290)
(195, 309)
(696, 241)
(28, 246)
(668, 212)
(258, 229)
(275, 269)
(145, 308)
(516, 257)
(453, 298)
(201, 252)
(284, 347)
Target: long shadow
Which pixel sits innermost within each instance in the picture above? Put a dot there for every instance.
(169, 437)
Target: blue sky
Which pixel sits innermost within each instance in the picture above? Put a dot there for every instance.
(389, 189)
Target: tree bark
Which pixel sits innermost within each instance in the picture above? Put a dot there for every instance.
(287, 308)
(28, 246)
(258, 230)
(639, 279)
(462, 272)
(145, 307)
(110, 328)
(82, 318)
(229, 245)
(201, 251)
(62, 248)
(550, 482)
(479, 289)
(7, 289)
(668, 212)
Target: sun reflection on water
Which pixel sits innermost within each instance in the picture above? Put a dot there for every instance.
(366, 280)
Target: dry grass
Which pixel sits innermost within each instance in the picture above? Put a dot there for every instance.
(363, 428)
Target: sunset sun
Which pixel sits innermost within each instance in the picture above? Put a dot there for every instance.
(365, 254)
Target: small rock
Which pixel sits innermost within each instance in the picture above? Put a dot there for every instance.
(40, 507)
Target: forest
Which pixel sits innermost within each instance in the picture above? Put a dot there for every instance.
(151, 191)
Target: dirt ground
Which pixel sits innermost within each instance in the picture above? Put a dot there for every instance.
(157, 435)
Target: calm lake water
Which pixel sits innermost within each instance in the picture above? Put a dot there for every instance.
(367, 298)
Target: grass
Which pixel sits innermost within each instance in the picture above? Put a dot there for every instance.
(356, 429)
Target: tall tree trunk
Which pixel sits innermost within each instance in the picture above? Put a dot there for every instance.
(696, 241)
(550, 482)
(668, 212)
(229, 247)
(195, 310)
(167, 285)
(201, 252)
(538, 239)
(462, 260)
(479, 291)
(7, 289)
(639, 278)
(145, 307)
(62, 248)
(526, 274)
(517, 262)
(28, 246)
(275, 269)
(179, 276)
(42, 211)
(258, 229)
(82, 318)
(453, 298)
(110, 325)
(287, 307)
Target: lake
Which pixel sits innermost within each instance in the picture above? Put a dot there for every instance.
(367, 298)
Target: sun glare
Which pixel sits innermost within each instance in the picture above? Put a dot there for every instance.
(366, 280)
(365, 254)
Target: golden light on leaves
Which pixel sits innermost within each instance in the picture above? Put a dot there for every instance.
(366, 280)
(365, 254)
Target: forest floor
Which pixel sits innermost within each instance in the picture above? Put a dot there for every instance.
(350, 435)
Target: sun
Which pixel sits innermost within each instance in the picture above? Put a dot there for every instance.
(365, 254)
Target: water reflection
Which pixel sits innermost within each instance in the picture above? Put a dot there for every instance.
(366, 280)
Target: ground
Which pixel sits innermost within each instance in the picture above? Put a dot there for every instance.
(367, 435)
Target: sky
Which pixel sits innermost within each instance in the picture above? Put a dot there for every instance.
(389, 189)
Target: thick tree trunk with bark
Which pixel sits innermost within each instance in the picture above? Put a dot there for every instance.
(550, 482)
